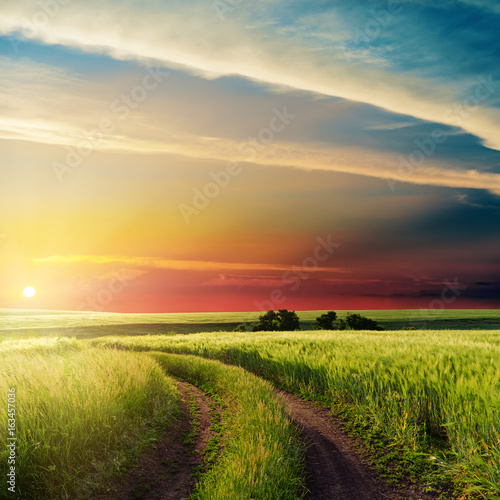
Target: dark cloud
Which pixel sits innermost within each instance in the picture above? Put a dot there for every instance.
(479, 198)
(445, 39)
(472, 292)
(489, 293)
(456, 224)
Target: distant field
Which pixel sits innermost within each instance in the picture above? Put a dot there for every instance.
(92, 324)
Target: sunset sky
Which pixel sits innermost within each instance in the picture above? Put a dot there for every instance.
(239, 155)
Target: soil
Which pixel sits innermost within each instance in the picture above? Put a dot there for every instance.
(168, 471)
(336, 470)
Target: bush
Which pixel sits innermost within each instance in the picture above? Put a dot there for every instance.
(326, 321)
(241, 328)
(358, 322)
(282, 320)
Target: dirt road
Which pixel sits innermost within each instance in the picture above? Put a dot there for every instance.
(336, 470)
(166, 471)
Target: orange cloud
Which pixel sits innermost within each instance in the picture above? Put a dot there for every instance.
(186, 265)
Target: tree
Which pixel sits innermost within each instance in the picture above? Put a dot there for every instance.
(268, 322)
(282, 320)
(325, 321)
(289, 321)
(358, 322)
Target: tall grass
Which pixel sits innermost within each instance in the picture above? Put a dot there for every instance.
(412, 387)
(81, 415)
(262, 458)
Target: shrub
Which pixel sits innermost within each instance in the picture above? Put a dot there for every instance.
(326, 321)
(241, 328)
(358, 322)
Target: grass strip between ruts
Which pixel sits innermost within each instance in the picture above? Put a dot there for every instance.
(262, 458)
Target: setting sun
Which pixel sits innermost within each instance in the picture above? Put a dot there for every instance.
(29, 291)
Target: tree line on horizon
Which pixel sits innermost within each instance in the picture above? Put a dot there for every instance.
(284, 320)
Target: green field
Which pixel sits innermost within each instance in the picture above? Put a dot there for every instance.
(80, 414)
(427, 399)
(91, 324)
(83, 414)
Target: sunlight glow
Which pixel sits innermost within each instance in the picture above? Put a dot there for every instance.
(29, 291)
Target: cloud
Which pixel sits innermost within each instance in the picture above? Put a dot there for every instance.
(191, 36)
(49, 105)
(487, 5)
(188, 265)
(65, 110)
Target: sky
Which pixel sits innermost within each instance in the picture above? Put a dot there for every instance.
(239, 155)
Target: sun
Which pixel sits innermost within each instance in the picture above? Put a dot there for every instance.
(29, 291)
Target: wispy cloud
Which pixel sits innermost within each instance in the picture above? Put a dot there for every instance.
(62, 110)
(169, 33)
(187, 265)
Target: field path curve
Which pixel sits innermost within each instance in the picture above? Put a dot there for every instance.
(166, 471)
(335, 468)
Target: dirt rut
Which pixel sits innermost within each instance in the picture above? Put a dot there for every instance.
(166, 472)
(336, 471)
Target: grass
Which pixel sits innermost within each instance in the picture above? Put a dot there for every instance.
(433, 393)
(82, 415)
(262, 458)
(195, 413)
(15, 324)
(429, 399)
(215, 442)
